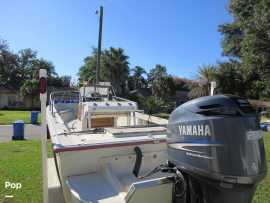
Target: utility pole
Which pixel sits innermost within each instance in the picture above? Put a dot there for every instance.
(99, 42)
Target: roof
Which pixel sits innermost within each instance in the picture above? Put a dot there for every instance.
(259, 103)
(145, 92)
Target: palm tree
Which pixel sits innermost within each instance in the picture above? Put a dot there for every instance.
(152, 105)
(203, 79)
(138, 78)
(115, 67)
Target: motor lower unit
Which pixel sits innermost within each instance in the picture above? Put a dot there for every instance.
(216, 143)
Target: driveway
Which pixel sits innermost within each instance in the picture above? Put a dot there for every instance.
(31, 132)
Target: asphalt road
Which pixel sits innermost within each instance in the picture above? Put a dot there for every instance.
(31, 132)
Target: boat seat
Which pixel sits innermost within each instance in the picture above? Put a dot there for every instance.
(92, 188)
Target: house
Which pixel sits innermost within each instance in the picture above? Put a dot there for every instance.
(10, 98)
(260, 105)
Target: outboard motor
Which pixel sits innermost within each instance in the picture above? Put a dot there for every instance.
(216, 143)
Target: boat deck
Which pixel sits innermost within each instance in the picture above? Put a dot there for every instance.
(121, 189)
(110, 137)
(70, 134)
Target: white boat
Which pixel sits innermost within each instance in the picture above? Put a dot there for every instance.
(102, 142)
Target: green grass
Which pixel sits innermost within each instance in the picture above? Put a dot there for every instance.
(7, 116)
(262, 194)
(162, 115)
(20, 162)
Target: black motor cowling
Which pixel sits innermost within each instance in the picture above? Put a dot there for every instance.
(216, 142)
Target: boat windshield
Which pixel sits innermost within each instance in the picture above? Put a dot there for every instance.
(96, 91)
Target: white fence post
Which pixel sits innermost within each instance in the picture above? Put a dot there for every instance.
(43, 99)
(213, 87)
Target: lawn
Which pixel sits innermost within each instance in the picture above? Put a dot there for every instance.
(20, 161)
(262, 194)
(8, 116)
(162, 115)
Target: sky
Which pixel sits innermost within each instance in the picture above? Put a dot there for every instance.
(179, 34)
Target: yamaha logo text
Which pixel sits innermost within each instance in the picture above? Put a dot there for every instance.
(199, 130)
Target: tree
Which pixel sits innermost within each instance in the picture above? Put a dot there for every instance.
(230, 79)
(203, 78)
(181, 84)
(137, 77)
(247, 40)
(30, 89)
(156, 73)
(17, 68)
(151, 105)
(131, 83)
(266, 92)
(21, 69)
(53, 78)
(115, 68)
(162, 85)
(3, 45)
(43, 64)
(63, 81)
(26, 64)
(8, 65)
(87, 71)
